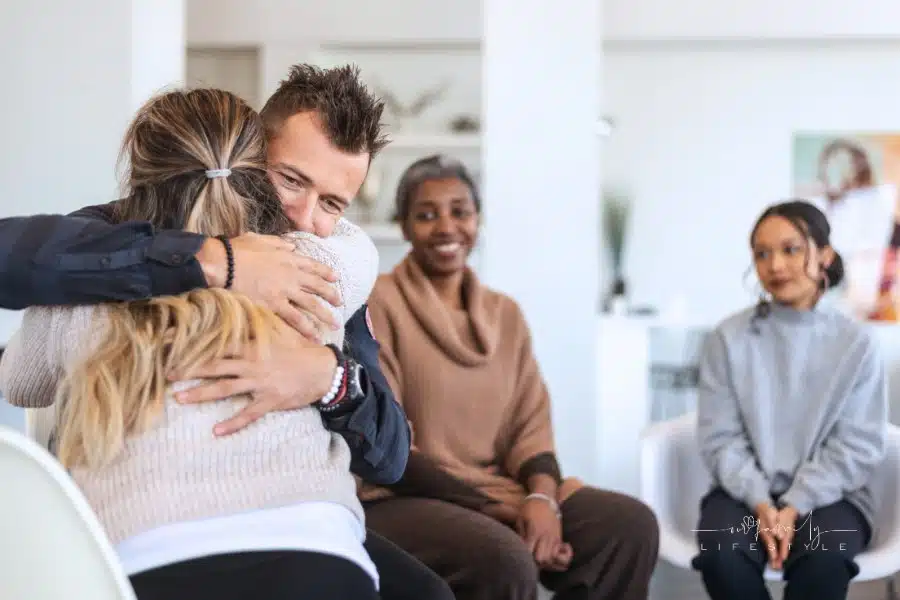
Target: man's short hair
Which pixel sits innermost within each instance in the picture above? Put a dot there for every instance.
(350, 114)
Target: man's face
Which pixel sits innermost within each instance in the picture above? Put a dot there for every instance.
(315, 180)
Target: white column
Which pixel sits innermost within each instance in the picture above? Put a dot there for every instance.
(541, 75)
(158, 47)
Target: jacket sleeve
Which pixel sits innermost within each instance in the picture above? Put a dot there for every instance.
(85, 259)
(724, 444)
(376, 430)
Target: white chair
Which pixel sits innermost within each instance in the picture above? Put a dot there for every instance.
(51, 544)
(674, 479)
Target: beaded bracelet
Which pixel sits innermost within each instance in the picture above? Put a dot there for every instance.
(551, 501)
(229, 257)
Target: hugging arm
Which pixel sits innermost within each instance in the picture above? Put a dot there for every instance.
(28, 375)
(374, 425)
(32, 365)
(84, 258)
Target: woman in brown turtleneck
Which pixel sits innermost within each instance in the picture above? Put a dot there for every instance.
(483, 502)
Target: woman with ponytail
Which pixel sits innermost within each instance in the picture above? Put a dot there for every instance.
(268, 512)
(792, 411)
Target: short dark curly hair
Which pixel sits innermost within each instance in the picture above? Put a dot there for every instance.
(350, 113)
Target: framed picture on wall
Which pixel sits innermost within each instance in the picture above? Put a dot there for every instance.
(855, 179)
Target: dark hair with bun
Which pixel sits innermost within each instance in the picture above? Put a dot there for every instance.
(813, 224)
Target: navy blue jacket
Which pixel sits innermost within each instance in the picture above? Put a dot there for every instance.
(85, 258)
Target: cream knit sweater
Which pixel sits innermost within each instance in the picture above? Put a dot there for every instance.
(178, 471)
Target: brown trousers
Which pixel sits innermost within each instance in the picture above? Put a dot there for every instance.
(614, 540)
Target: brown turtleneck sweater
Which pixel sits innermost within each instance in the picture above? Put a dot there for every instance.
(468, 381)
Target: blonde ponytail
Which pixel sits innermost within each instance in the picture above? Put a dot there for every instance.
(173, 144)
(120, 389)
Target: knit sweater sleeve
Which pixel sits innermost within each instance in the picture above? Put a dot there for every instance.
(530, 432)
(855, 446)
(352, 254)
(383, 331)
(724, 444)
(423, 477)
(28, 372)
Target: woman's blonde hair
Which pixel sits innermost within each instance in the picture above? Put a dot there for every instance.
(173, 141)
(119, 389)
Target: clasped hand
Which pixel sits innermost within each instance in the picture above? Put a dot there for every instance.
(541, 528)
(776, 531)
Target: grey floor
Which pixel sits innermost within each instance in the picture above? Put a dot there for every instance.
(670, 583)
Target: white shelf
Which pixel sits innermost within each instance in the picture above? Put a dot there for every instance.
(435, 141)
(383, 232)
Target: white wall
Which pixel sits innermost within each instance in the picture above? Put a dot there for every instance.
(64, 79)
(703, 140)
(157, 47)
(216, 22)
(749, 19)
(226, 22)
(66, 100)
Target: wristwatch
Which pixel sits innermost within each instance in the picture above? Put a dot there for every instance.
(357, 383)
(354, 387)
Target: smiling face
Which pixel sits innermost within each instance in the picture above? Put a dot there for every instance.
(315, 180)
(442, 225)
(788, 263)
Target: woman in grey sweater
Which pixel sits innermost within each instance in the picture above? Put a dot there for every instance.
(792, 411)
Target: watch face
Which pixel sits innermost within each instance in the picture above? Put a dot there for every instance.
(354, 381)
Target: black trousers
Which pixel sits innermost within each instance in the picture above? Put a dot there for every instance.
(401, 576)
(819, 566)
(281, 575)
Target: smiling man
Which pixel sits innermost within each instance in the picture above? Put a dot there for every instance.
(324, 127)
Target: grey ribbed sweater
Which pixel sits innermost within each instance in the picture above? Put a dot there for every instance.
(178, 471)
(793, 405)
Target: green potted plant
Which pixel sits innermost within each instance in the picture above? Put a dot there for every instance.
(616, 210)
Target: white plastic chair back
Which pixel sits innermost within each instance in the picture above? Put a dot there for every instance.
(51, 544)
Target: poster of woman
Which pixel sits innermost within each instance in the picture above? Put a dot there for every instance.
(855, 180)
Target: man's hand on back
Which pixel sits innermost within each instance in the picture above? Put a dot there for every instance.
(267, 270)
(293, 373)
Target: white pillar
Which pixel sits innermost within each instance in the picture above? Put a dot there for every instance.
(541, 75)
(158, 47)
